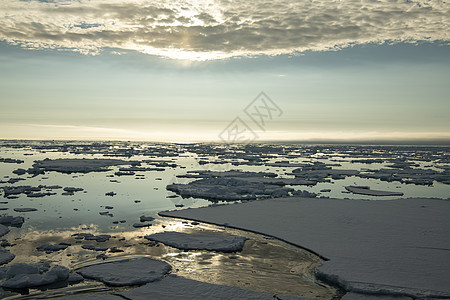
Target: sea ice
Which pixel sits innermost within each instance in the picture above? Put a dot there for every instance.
(146, 219)
(127, 272)
(73, 165)
(71, 189)
(11, 161)
(92, 297)
(141, 225)
(24, 209)
(3, 230)
(23, 189)
(373, 247)
(175, 287)
(12, 221)
(355, 296)
(230, 189)
(365, 190)
(23, 275)
(5, 256)
(186, 241)
(48, 248)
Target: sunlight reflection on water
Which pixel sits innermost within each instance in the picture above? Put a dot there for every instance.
(254, 268)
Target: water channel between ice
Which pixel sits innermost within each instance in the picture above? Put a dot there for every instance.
(265, 264)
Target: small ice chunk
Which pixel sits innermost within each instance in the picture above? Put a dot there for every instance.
(3, 230)
(127, 272)
(71, 189)
(140, 225)
(5, 256)
(115, 250)
(365, 190)
(25, 209)
(12, 221)
(146, 219)
(51, 247)
(88, 247)
(99, 238)
(30, 277)
(186, 241)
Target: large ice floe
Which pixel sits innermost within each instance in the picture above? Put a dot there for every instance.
(126, 272)
(75, 165)
(186, 241)
(397, 247)
(235, 185)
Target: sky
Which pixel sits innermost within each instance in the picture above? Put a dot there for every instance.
(189, 71)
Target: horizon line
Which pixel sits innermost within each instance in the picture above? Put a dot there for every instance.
(406, 142)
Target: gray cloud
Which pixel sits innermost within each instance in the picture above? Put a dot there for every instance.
(211, 29)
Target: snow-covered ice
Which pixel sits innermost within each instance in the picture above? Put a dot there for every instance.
(25, 209)
(48, 248)
(92, 297)
(3, 230)
(355, 296)
(141, 225)
(146, 219)
(365, 190)
(74, 165)
(398, 247)
(232, 188)
(5, 256)
(175, 287)
(187, 241)
(127, 272)
(12, 221)
(23, 275)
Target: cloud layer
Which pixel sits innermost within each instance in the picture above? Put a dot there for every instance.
(214, 29)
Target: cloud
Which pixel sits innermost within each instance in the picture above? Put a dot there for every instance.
(214, 29)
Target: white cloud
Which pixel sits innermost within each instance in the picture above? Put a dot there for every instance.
(208, 29)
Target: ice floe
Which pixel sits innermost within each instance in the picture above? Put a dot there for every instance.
(12, 221)
(49, 248)
(95, 296)
(5, 256)
(365, 190)
(11, 161)
(74, 165)
(3, 230)
(25, 209)
(23, 275)
(127, 272)
(386, 247)
(187, 241)
(234, 185)
(176, 287)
